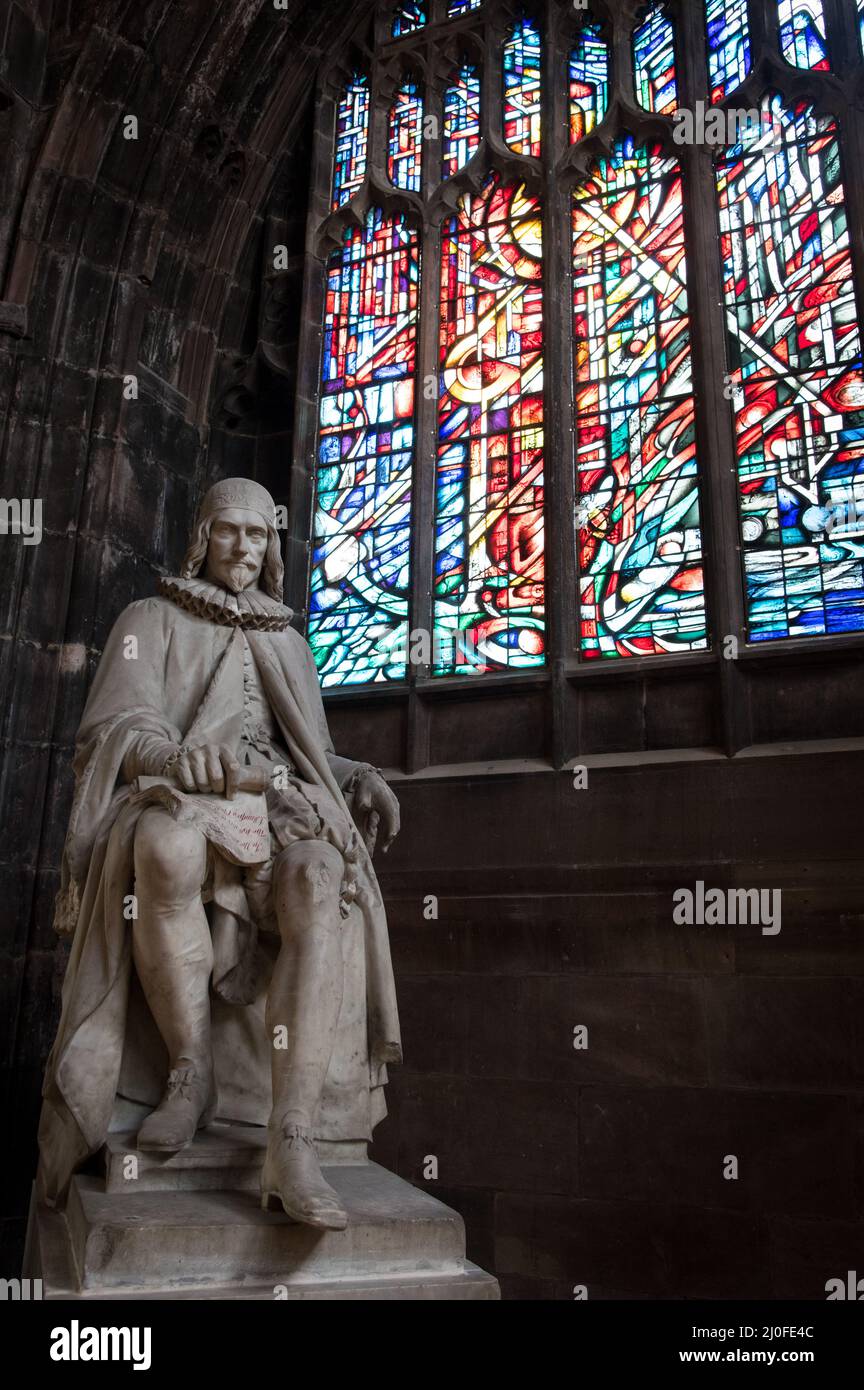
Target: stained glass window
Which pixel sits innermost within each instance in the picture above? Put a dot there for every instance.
(461, 120)
(637, 489)
(589, 82)
(654, 62)
(522, 90)
(361, 544)
(450, 532)
(405, 144)
(489, 556)
(407, 19)
(802, 34)
(352, 135)
(728, 45)
(795, 354)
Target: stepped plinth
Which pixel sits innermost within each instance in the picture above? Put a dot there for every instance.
(190, 1225)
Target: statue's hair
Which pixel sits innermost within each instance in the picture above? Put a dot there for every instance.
(272, 571)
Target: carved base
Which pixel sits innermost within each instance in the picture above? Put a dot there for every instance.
(192, 1227)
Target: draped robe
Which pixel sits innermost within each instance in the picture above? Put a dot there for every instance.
(184, 683)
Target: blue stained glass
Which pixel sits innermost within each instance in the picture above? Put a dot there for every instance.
(405, 143)
(654, 63)
(359, 586)
(461, 120)
(794, 353)
(352, 136)
(407, 19)
(459, 7)
(802, 34)
(589, 82)
(728, 45)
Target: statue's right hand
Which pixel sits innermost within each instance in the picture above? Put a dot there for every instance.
(210, 768)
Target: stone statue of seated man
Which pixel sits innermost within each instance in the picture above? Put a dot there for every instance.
(212, 973)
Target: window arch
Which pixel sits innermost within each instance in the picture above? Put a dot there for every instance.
(654, 61)
(352, 139)
(526, 372)
(522, 89)
(405, 145)
(728, 26)
(803, 38)
(461, 128)
(589, 81)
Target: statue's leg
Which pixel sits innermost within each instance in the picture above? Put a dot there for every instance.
(303, 1006)
(173, 956)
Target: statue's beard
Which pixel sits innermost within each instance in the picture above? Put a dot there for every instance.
(240, 577)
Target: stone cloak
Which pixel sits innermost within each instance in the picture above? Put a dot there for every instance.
(185, 685)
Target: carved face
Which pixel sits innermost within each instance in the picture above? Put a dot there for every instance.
(236, 550)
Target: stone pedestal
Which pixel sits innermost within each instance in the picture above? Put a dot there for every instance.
(191, 1226)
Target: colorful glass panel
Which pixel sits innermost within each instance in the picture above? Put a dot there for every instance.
(459, 7)
(728, 45)
(802, 34)
(358, 607)
(461, 120)
(352, 137)
(640, 555)
(407, 19)
(489, 561)
(795, 357)
(654, 63)
(405, 143)
(589, 82)
(522, 90)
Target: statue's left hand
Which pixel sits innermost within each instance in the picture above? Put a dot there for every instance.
(375, 810)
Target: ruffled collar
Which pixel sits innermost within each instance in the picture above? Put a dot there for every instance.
(250, 609)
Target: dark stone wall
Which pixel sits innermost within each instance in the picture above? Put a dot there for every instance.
(601, 1167)
(604, 1166)
(120, 258)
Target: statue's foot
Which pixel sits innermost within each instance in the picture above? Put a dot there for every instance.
(189, 1103)
(292, 1176)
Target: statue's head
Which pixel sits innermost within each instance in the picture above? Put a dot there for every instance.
(235, 542)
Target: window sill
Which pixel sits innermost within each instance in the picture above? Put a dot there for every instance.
(785, 652)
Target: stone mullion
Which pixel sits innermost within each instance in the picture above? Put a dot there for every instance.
(421, 609)
(492, 84)
(715, 434)
(391, 69)
(561, 595)
(845, 48)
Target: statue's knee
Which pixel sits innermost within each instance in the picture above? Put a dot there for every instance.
(310, 870)
(170, 859)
